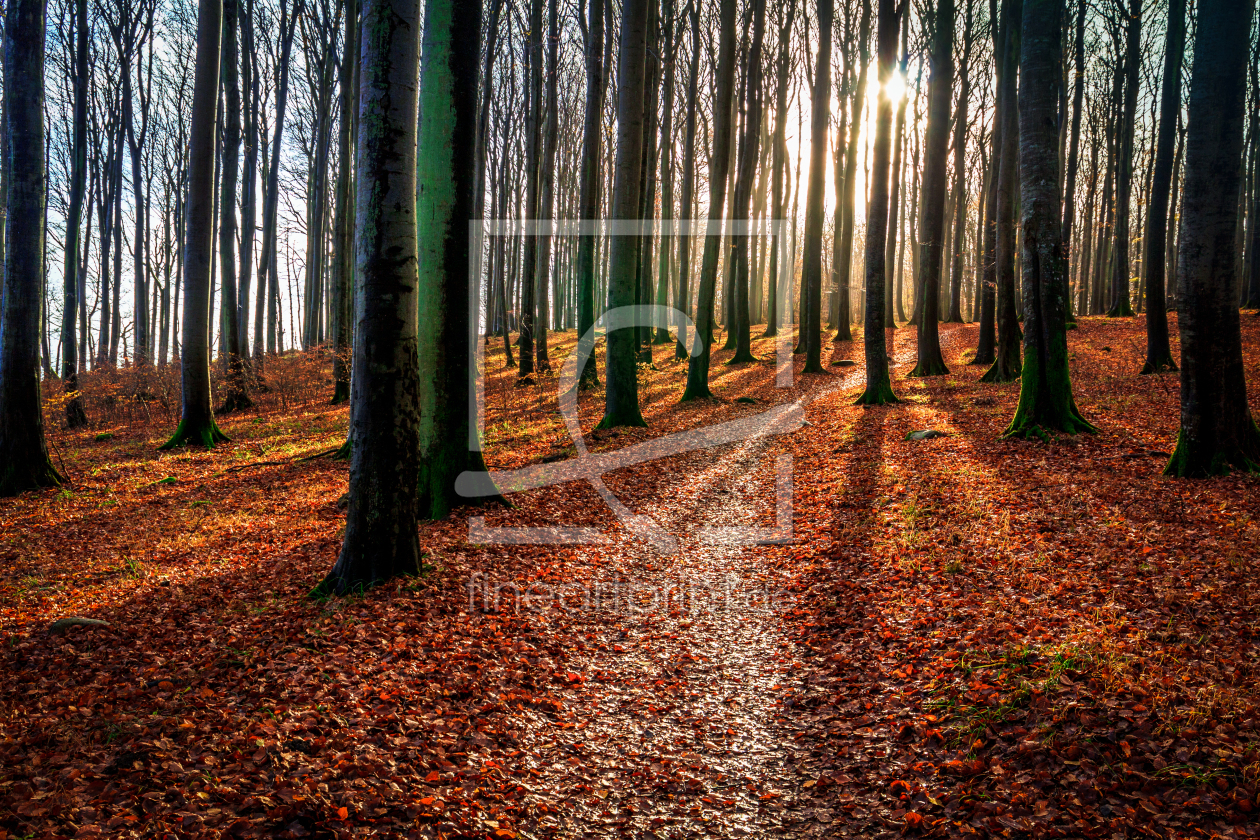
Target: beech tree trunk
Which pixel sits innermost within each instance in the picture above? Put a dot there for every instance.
(878, 385)
(1158, 352)
(811, 267)
(24, 463)
(1120, 304)
(72, 305)
(196, 425)
(749, 151)
(621, 392)
(589, 197)
(844, 265)
(955, 315)
(341, 285)
(719, 165)
(935, 155)
(236, 398)
(1006, 365)
(1217, 431)
(381, 537)
(1045, 397)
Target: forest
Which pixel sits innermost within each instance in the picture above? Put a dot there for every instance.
(629, 418)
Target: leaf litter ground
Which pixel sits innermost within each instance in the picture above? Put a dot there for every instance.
(967, 636)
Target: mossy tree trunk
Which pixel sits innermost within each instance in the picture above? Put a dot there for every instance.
(621, 391)
(196, 425)
(1045, 397)
(719, 165)
(24, 463)
(381, 538)
(935, 154)
(446, 178)
(878, 385)
(1217, 431)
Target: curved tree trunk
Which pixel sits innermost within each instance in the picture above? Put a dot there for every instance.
(381, 539)
(24, 463)
(1217, 431)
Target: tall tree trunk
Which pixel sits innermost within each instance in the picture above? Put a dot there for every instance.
(844, 265)
(1045, 396)
(250, 86)
(749, 152)
(935, 155)
(719, 165)
(533, 148)
(669, 58)
(687, 199)
(381, 538)
(236, 398)
(447, 178)
(24, 463)
(955, 315)
(547, 186)
(1006, 367)
(341, 291)
(1158, 353)
(267, 302)
(1217, 430)
(811, 270)
(73, 306)
(878, 386)
(196, 425)
(898, 168)
(1120, 305)
(621, 392)
(1074, 144)
(589, 198)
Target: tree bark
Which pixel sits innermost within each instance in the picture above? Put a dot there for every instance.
(1120, 304)
(811, 268)
(1217, 431)
(381, 538)
(749, 151)
(719, 165)
(844, 265)
(236, 398)
(196, 425)
(24, 463)
(589, 197)
(1158, 352)
(1045, 397)
(1006, 366)
(76, 417)
(341, 292)
(878, 385)
(935, 154)
(621, 392)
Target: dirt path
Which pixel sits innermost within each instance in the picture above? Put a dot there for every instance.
(675, 723)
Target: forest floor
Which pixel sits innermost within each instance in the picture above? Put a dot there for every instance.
(960, 636)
